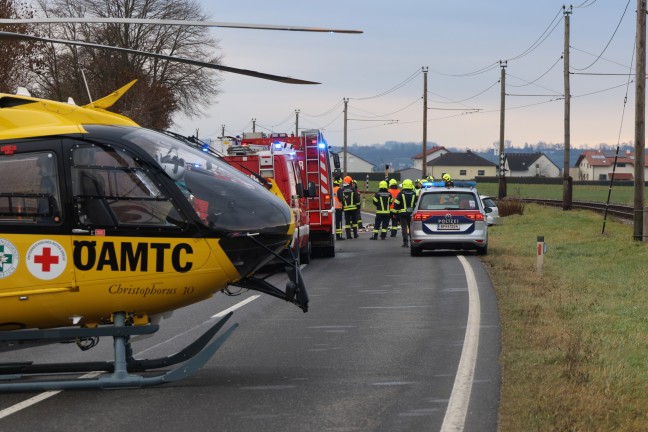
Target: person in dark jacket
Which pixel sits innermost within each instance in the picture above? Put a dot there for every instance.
(358, 210)
(394, 191)
(382, 200)
(404, 205)
(350, 199)
(338, 209)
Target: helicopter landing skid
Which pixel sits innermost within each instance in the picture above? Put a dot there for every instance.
(192, 357)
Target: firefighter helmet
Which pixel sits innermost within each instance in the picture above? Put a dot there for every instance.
(348, 180)
(382, 185)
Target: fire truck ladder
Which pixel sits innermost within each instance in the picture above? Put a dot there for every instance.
(313, 171)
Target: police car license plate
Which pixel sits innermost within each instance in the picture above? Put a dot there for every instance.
(448, 227)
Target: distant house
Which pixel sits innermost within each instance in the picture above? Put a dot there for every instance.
(530, 165)
(431, 154)
(354, 164)
(410, 173)
(463, 166)
(598, 165)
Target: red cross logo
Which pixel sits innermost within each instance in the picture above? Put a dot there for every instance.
(46, 259)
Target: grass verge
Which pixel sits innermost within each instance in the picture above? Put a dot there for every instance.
(574, 338)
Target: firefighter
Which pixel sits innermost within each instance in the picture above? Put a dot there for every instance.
(383, 201)
(338, 209)
(393, 190)
(404, 205)
(447, 179)
(358, 212)
(418, 185)
(350, 199)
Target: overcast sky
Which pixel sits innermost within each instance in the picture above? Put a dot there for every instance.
(461, 42)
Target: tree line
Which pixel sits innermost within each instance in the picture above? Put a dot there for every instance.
(164, 88)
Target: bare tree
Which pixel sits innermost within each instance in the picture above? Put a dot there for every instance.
(164, 87)
(18, 59)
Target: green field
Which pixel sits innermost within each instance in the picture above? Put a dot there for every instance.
(575, 336)
(623, 195)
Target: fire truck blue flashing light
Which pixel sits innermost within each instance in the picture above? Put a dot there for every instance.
(278, 146)
(321, 145)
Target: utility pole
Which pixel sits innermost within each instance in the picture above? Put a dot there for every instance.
(253, 125)
(640, 122)
(344, 163)
(502, 178)
(567, 180)
(424, 165)
(296, 122)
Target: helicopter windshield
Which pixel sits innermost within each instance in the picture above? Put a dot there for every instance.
(223, 197)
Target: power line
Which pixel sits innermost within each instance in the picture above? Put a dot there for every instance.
(327, 124)
(463, 100)
(586, 6)
(609, 41)
(540, 77)
(601, 91)
(385, 115)
(599, 56)
(333, 108)
(537, 85)
(543, 36)
(393, 89)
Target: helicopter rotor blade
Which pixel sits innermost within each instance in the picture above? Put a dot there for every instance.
(286, 80)
(10, 21)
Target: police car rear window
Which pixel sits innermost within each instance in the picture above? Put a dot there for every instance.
(448, 200)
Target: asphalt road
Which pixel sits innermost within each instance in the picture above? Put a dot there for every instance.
(391, 343)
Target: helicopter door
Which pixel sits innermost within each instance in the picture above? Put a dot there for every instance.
(112, 191)
(35, 246)
(129, 237)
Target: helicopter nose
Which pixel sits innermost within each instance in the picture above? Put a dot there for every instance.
(253, 223)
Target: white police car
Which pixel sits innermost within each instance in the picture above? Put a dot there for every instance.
(449, 216)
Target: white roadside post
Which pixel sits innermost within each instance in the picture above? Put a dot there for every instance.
(541, 248)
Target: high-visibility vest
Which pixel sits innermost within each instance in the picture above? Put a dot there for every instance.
(394, 193)
(348, 195)
(383, 202)
(406, 199)
(338, 203)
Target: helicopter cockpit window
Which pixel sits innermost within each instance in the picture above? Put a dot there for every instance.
(26, 198)
(223, 197)
(112, 189)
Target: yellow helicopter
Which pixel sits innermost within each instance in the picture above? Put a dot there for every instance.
(105, 226)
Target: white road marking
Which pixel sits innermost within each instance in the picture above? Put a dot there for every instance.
(455, 416)
(27, 403)
(38, 398)
(46, 395)
(236, 306)
(218, 315)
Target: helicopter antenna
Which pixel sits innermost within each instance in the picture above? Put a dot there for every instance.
(85, 81)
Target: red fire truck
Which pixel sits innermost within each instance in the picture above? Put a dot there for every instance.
(314, 181)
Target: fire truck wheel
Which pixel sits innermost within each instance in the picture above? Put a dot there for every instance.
(305, 254)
